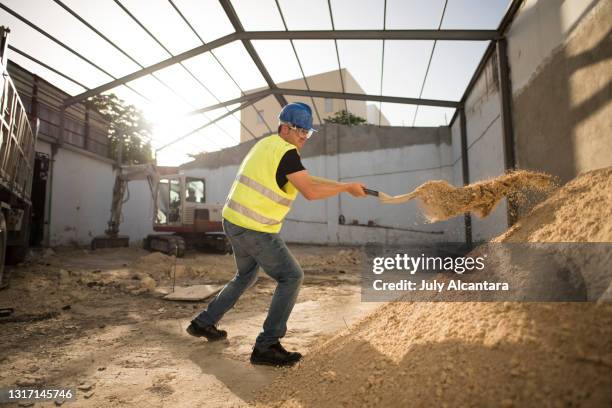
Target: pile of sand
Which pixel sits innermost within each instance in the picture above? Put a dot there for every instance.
(440, 201)
(155, 263)
(488, 354)
(578, 212)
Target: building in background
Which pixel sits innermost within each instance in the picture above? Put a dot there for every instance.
(263, 119)
(74, 175)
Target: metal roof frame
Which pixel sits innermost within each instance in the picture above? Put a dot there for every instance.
(233, 17)
(246, 37)
(195, 32)
(150, 34)
(314, 105)
(433, 49)
(226, 114)
(66, 47)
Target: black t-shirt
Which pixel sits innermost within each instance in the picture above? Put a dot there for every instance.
(290, 163)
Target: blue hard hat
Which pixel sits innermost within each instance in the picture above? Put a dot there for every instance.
(298, 114)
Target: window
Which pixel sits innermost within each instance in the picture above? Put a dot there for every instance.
(195, 190)
(260, 116)
(163, 207)
(168, 201)
(329, 105)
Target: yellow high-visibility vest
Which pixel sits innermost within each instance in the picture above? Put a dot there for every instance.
(255, 201)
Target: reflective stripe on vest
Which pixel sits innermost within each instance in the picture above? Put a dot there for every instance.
(247, 212)
(255, 200)
(263, 190)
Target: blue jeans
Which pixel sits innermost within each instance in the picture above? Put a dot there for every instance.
(253, 249)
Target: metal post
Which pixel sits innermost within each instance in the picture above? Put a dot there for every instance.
(86, 144)
(466, 173)
(34, 104)
(62, 126)
(4, 31)
(505, 94)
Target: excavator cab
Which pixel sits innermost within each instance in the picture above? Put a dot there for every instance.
(186, 218)
(181, 206)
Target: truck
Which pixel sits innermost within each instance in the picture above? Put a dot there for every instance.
(181, 215)
(18, 133)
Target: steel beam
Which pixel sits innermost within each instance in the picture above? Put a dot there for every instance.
(448, 35)
(226, 114)
(42, 64)
(331, 17)
(233, 18)
(246, 37)
(431, 54)
(465, 167)
(505, 97)
(61, 44)
(332, 95)
(503, 27)
(509, 17)
(366, 97)
(297, 57)
(195, 32)
(152, 68)
(259, 95)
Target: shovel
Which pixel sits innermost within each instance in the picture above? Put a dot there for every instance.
(387, 199)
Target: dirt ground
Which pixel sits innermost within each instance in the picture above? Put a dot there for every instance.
(96, 321)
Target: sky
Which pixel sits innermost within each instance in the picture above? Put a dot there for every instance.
(395, 68)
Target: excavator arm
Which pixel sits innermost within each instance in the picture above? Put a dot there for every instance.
(125, 174)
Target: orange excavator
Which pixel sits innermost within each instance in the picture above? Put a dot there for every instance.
(181, 214)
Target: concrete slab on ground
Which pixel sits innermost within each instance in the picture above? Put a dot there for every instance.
(193, 293)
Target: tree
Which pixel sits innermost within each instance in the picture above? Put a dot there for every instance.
(345, 117)
(127, 128)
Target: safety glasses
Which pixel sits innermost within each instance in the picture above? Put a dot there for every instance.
(303, 132)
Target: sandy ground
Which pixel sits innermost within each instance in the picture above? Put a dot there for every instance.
(94, 320)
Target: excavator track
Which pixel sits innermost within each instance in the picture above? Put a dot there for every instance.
(167, 244)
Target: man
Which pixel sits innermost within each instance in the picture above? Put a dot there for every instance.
(191, 195)
(266, 185)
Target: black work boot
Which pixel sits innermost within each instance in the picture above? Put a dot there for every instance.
(211, 333)
(275, 355)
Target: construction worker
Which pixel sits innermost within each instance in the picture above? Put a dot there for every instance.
(266, 185)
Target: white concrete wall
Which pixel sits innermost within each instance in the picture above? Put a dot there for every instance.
(80, 198)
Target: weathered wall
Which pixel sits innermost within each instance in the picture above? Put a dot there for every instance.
(80, 198)
(561, 99)
(393, 160)
(560, 54)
